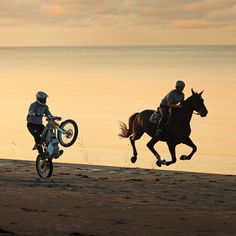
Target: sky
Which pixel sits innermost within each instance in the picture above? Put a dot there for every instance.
(117, 22)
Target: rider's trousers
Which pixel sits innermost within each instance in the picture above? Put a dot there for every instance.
(164, 113)
(36, 131)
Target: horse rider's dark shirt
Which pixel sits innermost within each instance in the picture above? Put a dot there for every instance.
(173, 97)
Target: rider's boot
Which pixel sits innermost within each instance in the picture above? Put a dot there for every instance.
(40, 151)
(158, 132)
(161, 125)
(39, 148)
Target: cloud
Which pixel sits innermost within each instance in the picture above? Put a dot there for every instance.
(192, 24)
(75, 1)
(209, 5)
(112, 13)
(53, 10)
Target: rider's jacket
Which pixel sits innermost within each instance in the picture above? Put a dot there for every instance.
(173, 97)
(36, 113)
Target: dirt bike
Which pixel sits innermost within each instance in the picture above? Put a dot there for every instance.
(54, 134)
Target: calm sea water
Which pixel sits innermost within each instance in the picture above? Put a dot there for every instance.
(99, 86)
(150, 56)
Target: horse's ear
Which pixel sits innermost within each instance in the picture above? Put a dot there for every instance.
(201, 92)
(193, 92)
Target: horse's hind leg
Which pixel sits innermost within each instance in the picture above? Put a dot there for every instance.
(151, 145)
(134, 157)
(132, 139)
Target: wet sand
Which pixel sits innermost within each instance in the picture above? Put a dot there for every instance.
(96, 200)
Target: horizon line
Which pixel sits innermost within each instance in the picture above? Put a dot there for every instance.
(118, 45)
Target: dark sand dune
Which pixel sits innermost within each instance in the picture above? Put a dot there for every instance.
(95, 200)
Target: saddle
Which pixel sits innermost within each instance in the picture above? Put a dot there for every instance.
(155, 117)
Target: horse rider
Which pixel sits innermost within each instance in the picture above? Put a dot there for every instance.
(35, 118)
(172, 100)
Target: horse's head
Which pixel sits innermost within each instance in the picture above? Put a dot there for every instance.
(197, 103)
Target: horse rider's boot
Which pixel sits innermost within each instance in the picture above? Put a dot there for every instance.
(158, 132)
(160, 126)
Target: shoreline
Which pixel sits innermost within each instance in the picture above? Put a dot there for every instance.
(101, 200)
(134, 166)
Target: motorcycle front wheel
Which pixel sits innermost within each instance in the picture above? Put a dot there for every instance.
(69, 133)
(44, 166)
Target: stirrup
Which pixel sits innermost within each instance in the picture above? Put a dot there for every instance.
(158, 132)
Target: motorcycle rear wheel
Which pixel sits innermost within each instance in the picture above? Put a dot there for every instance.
(44, 166)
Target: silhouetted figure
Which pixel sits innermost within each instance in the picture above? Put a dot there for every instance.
(177, 131)
(35, 118)
(172, 100)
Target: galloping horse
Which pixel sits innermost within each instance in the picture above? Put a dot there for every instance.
(177, 131)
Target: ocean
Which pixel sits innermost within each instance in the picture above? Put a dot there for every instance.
(100, 86)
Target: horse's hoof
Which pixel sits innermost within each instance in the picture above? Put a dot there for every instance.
(158, 163)
(168, 163)
(184, 157)
(133, 159)
(163, 162)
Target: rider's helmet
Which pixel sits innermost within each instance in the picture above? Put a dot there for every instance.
(180, 84)
(41, 97)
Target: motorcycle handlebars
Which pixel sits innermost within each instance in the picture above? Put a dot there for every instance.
(53, 118)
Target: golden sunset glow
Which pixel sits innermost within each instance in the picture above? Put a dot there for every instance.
(80, 151)
(125, 22)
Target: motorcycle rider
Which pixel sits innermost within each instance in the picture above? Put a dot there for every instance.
(35, 118)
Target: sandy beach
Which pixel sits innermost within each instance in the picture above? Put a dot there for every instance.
(97, 200)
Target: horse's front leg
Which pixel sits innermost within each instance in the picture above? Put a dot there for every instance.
(171, 147)
(151, 145)
(190, 143)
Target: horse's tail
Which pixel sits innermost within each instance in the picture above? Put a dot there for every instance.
(126, 132)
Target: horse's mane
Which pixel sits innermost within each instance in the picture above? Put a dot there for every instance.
(191, 98)
(187, 100)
